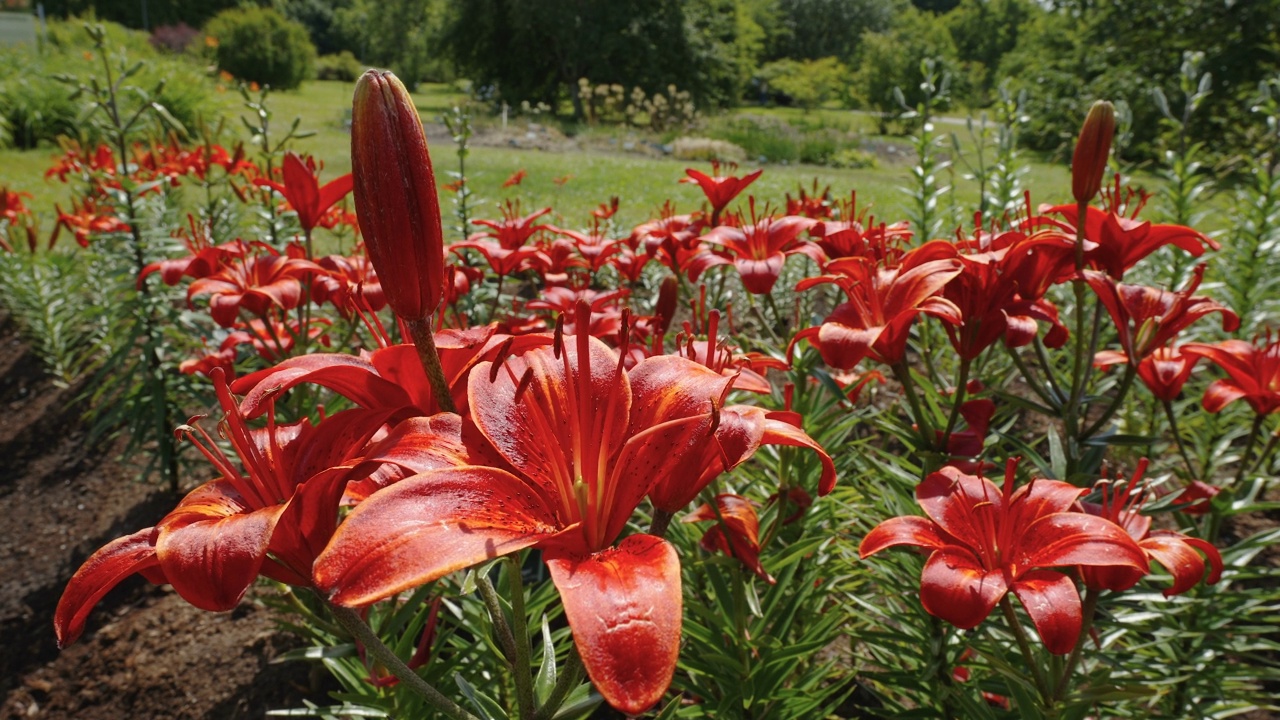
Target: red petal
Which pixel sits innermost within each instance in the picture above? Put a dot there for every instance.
(104, 569)
(1072, 538)
(535, 434)
(624, 607)
(737, 521)
(1175, 552)
(650, 458)
(759, 276)
(351, 377)
(302, 190)
(777, 432)
(667, 387)
(949, 496)
(307, 523)
(427, 526)
(1054, 606)
(904, 530)
(334, 191)
(212, 545)
(957, 589)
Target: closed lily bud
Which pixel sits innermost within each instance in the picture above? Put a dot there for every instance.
(395, 194)
(1089, 163)
(668, 300)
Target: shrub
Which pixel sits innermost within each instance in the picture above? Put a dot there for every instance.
(37, 111)
(261, 45)
(342, 66)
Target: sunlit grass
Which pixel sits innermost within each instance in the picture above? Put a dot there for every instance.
(643, 183)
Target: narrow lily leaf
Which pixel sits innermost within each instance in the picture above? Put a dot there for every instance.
(488, 708)
(546, 678)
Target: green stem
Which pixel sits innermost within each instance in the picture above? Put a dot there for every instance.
(1177, 438)
(520, 633)
(1024, 644)
(424, 341)
(1126, 382)
(1029, 378)
(493, 604)
(923, 426)
(961, 388)
(1091, 597)
(363, 634)
(1248, 448)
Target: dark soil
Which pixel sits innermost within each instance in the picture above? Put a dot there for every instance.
(146, 654)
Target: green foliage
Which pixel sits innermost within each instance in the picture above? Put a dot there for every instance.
(403, 35)
(770, 139)
(984, 31)
(325, 23)
(261, 45)
(813, 29)
(807, 83)
(36, 110)
(344, 66)
(502, 45)
(54, 300)
(1120, 49)
(893, 59)
(134, 14)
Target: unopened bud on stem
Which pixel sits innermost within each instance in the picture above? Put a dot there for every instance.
(395, 194)
(1093, 148)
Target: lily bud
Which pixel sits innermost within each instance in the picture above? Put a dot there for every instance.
(395, 194)
(1089, 163)
(668, 300)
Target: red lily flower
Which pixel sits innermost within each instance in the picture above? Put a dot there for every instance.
(884, 244)
(586, 440)
(720, 191)
(513, 230)
(274, 340)
(1164, 370)
(87, 219)
(224, 357)
(740, 433)
(1119, 240)
(815, 206)
(516, 178)
(629, 263)
(80, 161)
(389, 378)
(270, 519)
(503, 245)
(595, 247)
(203, 258)
(11, 206)
(1196, 498)
(736, 532)
(747, 370)
(882, 305)
(1148, 318)
(1253, 373)
(758, 250)
(348, 276)
(666, 232)
(985, 542)
(606, 210)
(301, 187)
(255, 283)
(1000, 292)
(1122, 504)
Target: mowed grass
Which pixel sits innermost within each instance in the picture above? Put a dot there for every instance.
(588, 178)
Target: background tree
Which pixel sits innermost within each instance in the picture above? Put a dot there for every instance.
(893, 59)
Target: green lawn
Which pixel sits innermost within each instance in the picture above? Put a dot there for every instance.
(642, 183)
